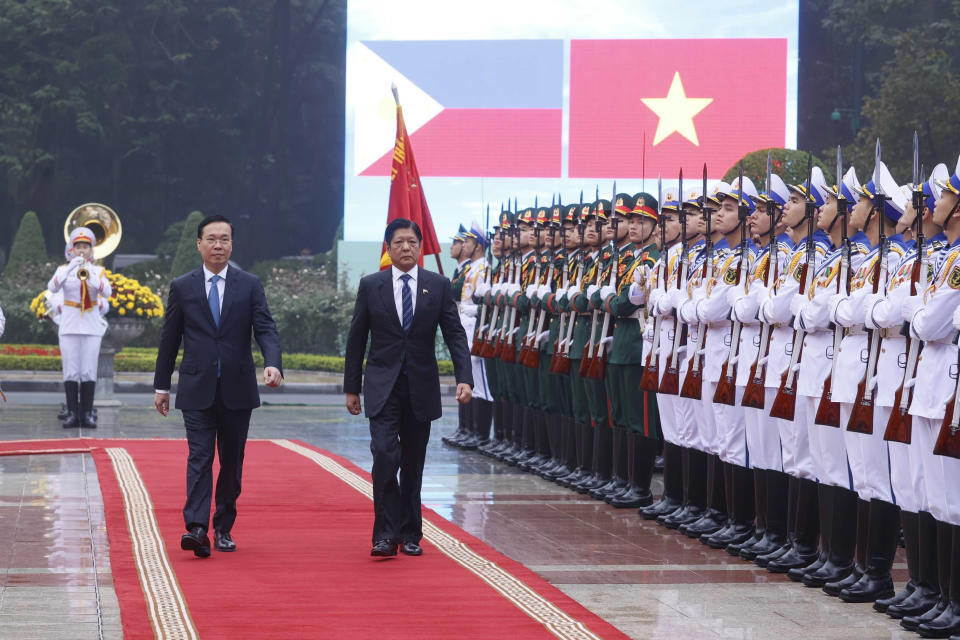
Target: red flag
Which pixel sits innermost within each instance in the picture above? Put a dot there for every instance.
(703, 100)
(407, 199)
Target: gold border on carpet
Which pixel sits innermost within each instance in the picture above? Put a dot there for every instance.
(557, 621)
(166, 604)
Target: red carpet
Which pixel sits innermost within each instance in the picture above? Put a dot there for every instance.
(303, 568)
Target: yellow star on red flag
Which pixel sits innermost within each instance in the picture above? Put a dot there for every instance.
(676, 112)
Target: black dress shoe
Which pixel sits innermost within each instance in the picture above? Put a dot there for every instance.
(196, 540)
(411, 549)
(223, 542)
(384, 548)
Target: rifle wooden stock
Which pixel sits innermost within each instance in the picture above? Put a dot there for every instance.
(584, 369)
(509, 353)
(670, 382)
(828, 411)
(754, 395)
(693, 382)
(532, 358)
(726, 392)
(948, 440)
(785, 404)
(861, 419)
(650, 380)
(900, 423)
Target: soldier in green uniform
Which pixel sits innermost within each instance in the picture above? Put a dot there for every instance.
(574, 300)
(638, 412)
(503, 406)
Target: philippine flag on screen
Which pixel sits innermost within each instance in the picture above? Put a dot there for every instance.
(697, 100)
(478, 108)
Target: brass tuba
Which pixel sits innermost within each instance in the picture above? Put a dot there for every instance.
(102, 221)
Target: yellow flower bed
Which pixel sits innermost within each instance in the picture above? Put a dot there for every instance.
(128, 299)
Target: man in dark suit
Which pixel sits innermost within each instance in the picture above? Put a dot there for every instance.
(399, 310)
(213, 310)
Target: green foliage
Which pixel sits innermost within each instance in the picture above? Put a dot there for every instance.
(186, 257)
(28, 250)
(16, 292)
(788, 164)
(154, 274)
(167, 248)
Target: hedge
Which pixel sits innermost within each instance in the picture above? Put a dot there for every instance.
(144, 359)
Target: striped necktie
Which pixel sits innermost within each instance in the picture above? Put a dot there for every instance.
(407, 297)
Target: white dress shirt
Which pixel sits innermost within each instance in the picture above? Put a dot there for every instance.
(221, 283)
(398, 289)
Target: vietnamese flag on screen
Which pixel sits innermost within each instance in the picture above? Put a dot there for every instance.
(697, 100)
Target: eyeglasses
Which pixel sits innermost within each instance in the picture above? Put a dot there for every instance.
(398, 244)
(225, 242)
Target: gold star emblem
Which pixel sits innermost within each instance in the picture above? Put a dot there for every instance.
(676, 112)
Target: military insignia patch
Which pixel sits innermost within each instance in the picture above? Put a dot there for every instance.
(798, 272)
(621, 270)
(730, 277)
(954, 280)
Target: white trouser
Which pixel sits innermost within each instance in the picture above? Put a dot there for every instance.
(480, 388)
(868, 458)
(763, 437)
(827, 445)
(732, 432)
(795, 440)
(925, 432)
(706, 420)
(906, 466)
(79, 355)
(668, 419)
(686, 422)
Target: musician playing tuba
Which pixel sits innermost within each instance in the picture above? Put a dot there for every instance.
(86, 292)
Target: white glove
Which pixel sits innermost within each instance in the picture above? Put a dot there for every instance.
(797, 303)
(530, 290)
(469, 310)
(734, 294)
(636, 294)
(834, 302)
(513, 289)
(910, 306)
(670, 300)
(606, 291)
(641, 275)
(654, 298)
(93, 283)
(103, 304)
(956, 318)
(572, 292)
(592, 289)
(869, 302)
(543, 291)
(483, 289)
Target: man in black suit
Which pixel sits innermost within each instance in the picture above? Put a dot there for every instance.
(400, 310)
(213, 310)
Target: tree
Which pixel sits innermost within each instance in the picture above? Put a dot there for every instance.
(186, 258)
(29, 249)
(790, 165)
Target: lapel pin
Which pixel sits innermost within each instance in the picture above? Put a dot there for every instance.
(425, 292)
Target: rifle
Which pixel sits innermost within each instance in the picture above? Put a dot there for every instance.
(861, 418)
(650, 379)
(670, 383)
(506, 351)
(586, 360)
(598, 365)
(900, 424)
(828, 412)
(532, 316)
(478, 330)
(533, 353)
(785, 404)
(754, 395)
(564, 340)
(726, 392)
(693, 383)
(493, 331)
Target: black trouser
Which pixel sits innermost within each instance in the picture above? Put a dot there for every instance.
(225, 430)
(398, 442)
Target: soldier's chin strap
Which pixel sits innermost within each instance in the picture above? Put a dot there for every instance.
(802, 221)
(956, 206)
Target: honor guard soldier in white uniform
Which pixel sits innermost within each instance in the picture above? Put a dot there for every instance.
(930, 317)
(86, 293)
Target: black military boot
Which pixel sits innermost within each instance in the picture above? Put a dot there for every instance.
(453, 438)
(588, 438)
(496, 412)
(715, 517)
(72, 419)
(947, 622)
(793, 492)
(600, 462)
(618, 464)
(760, 506)
(842, 548)
(909, 529)
(88, 417)
(943, 543)
(469, 439)
(672, 497)
(741, 510)
(825, 495)
(641, 453)
(775, 530)
(482, 420)
(695, 491)
(863, 543)
(803, 550)
(926, 591)
(574, 453)
(535, 444)
(882, 543)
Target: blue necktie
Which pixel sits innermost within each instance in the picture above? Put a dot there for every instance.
(407, 297)
(214, 300)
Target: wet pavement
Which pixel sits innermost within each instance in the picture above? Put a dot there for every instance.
(647, 581)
